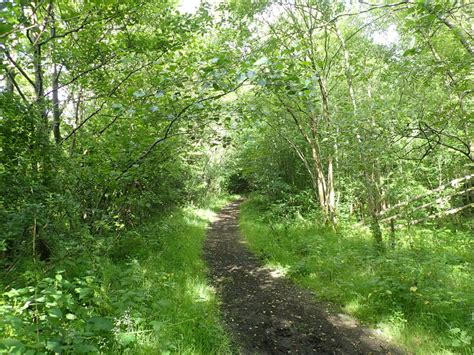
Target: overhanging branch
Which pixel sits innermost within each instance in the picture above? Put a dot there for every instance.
(167, 133)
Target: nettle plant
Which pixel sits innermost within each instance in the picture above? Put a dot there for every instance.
(57, 315)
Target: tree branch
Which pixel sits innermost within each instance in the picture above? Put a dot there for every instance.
(167, 132)
(453, 183)
(17, 87)
(20, 69)
(112, 92)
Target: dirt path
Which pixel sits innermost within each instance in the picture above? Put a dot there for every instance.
(269, 315)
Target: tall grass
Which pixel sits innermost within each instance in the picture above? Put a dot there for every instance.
(420, 294)
(179, 310)
(147, 293)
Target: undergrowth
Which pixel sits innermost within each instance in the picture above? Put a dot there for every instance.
(419, 293)
(142, 291)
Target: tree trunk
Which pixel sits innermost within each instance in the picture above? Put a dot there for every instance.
(329, 192)
(373, 199)
(56, 110)
(55, 89)
(331, 200)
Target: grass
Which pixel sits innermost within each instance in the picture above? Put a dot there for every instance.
(179, 304)
(420, 294)
(147, 294)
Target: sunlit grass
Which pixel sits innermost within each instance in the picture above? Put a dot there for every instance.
(158, 292)
(198, 215)
(200, 291)
(420, 294)
(205, 214)
(180, 315)
(353, 306)
(277, 270)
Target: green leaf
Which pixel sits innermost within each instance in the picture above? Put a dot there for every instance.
(55, 312)
(54, 345)
(71, 316)
(12, 346)
(409, 52)
(100, 323)
(261, 61)
(5, 28)
(126, 338)
(85, 348)
(16, 292)
(83, 292)
(156, 325)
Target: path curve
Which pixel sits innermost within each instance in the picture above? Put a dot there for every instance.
(267, 314)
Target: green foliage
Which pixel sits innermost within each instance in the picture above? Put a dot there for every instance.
(56, 315)
(113, 116)
(419, 293)
(236, 183)
(149, 294)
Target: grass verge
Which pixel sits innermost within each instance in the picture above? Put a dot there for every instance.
(141, 292)
(420, 294)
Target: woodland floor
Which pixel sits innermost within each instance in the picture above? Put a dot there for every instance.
(267, 314)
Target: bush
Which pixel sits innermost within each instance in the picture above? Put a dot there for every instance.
(57, 315)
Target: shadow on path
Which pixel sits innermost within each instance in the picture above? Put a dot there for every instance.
(267, 314)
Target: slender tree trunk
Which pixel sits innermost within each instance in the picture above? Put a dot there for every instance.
(373, 199)
(56, 109)
(331, 200)
(328, 193)
(39, 82)
(55, 84)
(458, 32)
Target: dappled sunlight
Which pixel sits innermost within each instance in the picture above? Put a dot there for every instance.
(277, 270)
(427, 275)
(234, 176)
(205, 214)
(460, 275)
(391, 328)
(267, 310)
(353, 306)
(343, 320)
(200, 291)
